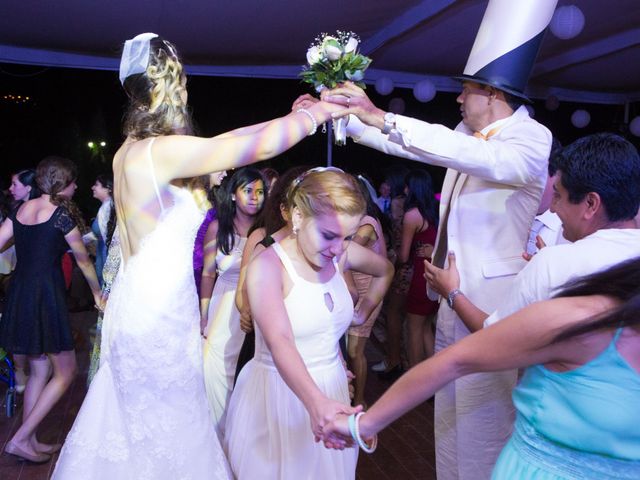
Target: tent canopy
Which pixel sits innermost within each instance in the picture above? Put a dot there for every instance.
(408, 40)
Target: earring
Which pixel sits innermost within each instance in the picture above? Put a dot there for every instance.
(233, 198)
(295, 229)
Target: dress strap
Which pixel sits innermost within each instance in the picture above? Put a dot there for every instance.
(153, 174)
(286, 261)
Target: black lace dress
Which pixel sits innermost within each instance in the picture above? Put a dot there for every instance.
(35, 318)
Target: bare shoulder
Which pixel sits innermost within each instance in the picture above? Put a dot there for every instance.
(265, 264)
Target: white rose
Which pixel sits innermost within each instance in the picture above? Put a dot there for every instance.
(313, 55)
(351, 45)
(331, 48)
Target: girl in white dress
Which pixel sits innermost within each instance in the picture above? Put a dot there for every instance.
(145, 415)
(239, 202)
(301, 307)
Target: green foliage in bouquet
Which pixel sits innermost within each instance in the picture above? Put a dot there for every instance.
(334, 59)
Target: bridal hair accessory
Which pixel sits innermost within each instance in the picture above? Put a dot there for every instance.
(135, 56)
(302, 176)
(370, 189)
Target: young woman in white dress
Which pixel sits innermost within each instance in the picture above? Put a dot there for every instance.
(301, 307)
(145, 415)
(240, 200)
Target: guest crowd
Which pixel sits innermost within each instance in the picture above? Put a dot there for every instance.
(235, 303)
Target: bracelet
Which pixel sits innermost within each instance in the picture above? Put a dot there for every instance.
(314, 127)
(354, 429)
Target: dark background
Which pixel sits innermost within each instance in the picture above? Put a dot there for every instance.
(67, 108)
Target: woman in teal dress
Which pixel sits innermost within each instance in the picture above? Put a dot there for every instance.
(578, 403)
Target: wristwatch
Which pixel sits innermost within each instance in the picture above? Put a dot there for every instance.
(389, 122)
(451, 297)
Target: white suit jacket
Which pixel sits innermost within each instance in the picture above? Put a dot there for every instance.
(492, 190)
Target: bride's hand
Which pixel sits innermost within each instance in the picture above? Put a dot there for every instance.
(303, 101)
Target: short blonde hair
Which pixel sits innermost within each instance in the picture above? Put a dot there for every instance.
(320, 192)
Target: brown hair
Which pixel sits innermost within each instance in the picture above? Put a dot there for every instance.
(157, 103)
(318, 192)
(53, 175)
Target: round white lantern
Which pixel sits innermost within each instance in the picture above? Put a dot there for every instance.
(634, 126)
(567, 22)
(580, 118)
(384, 85)
(396, 105)
(552, 103)
(424, 91)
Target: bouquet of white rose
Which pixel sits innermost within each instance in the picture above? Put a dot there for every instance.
(334, 59)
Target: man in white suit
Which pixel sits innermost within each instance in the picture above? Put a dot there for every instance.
(497, 169)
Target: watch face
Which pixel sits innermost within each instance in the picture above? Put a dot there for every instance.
(389, 117)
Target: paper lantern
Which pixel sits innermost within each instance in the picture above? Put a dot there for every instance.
(580, 118)
(396, 105)
(552, 103)
(634, 126)
(424, 91)
(567, 22)
(384, 85)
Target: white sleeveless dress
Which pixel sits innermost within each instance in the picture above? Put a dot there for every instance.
(224, 336)
(268, 430)
(145, 416)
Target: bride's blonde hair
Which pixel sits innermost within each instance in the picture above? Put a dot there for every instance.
(157, 97)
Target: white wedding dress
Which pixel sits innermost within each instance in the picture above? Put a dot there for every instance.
(145, 416)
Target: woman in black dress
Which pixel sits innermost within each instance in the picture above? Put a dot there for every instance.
(35, 321)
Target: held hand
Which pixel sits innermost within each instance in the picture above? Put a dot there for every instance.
(303, 101)
(323, 412)
(337, 428)
(357, 102)
(100, 303)
(442, 280)
(246, 324)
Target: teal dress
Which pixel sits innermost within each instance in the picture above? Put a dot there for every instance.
(580, 424)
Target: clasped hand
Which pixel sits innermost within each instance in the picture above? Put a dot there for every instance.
(350, 96)
(324, 416)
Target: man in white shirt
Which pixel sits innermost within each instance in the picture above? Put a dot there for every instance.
(497, 161)
(596, 195)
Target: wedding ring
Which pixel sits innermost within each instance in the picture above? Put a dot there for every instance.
(348, 102)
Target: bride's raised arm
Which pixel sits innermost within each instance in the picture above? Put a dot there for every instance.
(181, 156)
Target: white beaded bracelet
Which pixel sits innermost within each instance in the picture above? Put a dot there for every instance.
(363, 445)
(314, 127)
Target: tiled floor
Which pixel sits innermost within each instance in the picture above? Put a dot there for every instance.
(405, 449)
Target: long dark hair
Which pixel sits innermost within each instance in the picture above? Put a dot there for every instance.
(28, 179)
(106, 181)
(622, 282)
(226, 207)
(270, 217)
(420, 195)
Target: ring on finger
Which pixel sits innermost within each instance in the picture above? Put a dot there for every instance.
(348, 102)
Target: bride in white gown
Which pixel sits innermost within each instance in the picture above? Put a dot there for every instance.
(145, 415)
